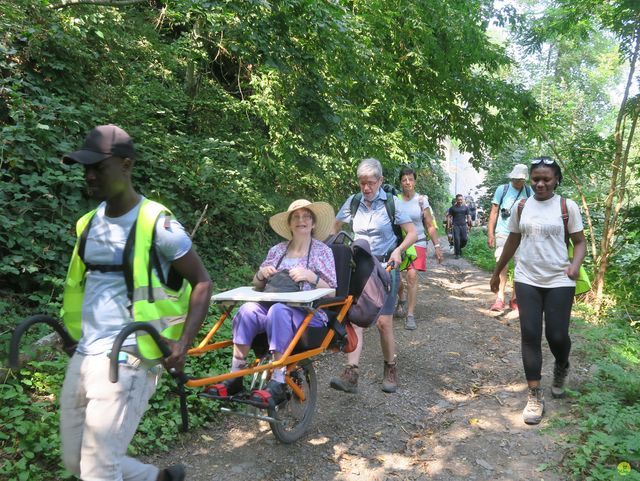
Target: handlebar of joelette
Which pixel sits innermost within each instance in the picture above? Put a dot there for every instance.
(126, 332)
(14, 346)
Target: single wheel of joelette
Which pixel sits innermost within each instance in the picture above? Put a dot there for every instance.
(295, 415)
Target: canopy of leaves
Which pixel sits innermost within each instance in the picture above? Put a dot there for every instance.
(241, 106)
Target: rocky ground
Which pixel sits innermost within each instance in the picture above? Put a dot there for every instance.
(456, 416)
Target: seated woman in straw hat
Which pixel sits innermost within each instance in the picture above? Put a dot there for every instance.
(309, 262)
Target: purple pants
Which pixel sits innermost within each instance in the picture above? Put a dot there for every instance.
(279, 321)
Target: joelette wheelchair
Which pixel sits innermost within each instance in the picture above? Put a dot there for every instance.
(290, 419)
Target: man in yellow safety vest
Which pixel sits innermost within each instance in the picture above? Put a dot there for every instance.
(132, 262)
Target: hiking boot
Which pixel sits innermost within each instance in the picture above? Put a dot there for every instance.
(497, 306)
(401, 309)
(174, 473)
(410, 323)
(513, 304)
(559, 378)
(348, 380)
(533, 411)
(390, 377)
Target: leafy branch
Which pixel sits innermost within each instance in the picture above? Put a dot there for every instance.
(108, 3)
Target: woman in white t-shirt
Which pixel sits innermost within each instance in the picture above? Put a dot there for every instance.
(544, 278)
(417, 205)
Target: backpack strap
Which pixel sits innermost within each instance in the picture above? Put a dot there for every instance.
(355, 202)
(527, 189)
(565, 219)
(505, 188)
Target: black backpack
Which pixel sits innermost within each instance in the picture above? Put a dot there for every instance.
(366, 280)
(389, 205)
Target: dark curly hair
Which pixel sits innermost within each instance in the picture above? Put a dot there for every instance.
(543, 161)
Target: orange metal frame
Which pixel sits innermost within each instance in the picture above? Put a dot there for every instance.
(288, 359)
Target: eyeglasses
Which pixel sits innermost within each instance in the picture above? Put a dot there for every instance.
(301, 217)
(545, 160)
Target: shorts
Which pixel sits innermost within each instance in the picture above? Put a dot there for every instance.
(501, 239)
(420, 262)
(390, 302)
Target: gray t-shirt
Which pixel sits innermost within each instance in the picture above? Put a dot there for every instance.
(415, 208)
(105, 305)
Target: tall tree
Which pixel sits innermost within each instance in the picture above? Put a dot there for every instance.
(577, 127)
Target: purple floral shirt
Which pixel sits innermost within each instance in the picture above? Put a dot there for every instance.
(320, 261)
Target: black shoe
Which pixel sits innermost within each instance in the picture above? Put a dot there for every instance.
(230, 387)
(175, 473)
(559, 379)
(276, 391)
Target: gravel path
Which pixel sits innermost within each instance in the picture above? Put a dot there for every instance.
(456, 416)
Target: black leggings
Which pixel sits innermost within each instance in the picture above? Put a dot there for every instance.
(556, 304)
(459, 238)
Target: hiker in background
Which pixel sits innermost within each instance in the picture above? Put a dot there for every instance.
(371, 222)
(97, 418)
(545, 277)
(459, 220)
(417, 205)
(473, 208)
(505, 198)
(447, 227)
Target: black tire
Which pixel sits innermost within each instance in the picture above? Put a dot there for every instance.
(295, 416)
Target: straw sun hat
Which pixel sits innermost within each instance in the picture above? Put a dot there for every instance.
(322, 211)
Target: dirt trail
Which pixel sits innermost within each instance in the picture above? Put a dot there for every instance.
(457, 414)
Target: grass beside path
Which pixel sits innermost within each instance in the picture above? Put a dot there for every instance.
(602, 435)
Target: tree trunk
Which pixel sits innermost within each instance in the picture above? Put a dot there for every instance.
(617, 186)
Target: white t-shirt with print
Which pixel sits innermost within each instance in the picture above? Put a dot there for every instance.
(105, 304)
(543, 253)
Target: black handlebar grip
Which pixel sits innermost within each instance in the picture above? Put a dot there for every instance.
(14, 346)
(126, 332)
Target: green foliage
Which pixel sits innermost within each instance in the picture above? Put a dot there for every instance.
(607, 417)
(29, 442)
(478, 252)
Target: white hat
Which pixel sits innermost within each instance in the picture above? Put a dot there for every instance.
(520, 171)
(323, 212)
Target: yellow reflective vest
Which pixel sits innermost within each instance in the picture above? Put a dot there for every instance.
(151, 300)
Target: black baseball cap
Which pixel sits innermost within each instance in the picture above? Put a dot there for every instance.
(103, 141)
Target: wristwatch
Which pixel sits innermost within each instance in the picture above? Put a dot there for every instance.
(314, 284)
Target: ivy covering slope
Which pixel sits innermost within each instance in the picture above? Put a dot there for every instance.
(238, 106)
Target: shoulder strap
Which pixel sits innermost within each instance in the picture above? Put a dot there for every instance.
(355, 202)
(127, 261)
(505, 188)
(390, 206)
(565, 219)
(527, 190)
(82, 245)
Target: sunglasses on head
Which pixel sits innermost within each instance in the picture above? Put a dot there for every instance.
(545, 160)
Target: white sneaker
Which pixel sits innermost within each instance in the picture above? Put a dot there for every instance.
(533, 411)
